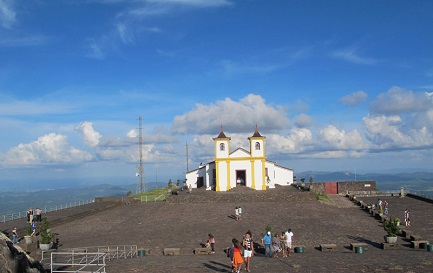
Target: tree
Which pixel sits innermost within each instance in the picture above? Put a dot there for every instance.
(129, 193)
(311, 179)
(302, 179)
(170, 183)
(178, 183)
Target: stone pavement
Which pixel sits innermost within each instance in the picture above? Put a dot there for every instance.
(185, 224)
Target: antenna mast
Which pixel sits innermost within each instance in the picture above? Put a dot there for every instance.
(141, 185)
(187, 166)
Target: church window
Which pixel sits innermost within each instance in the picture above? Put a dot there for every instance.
(222, 147)
(257, 145)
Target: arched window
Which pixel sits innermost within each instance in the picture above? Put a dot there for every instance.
(222, 146)
(257, 145)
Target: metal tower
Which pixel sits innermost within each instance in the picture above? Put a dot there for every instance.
(141, 185)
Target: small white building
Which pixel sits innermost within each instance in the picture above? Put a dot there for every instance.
(239, 168)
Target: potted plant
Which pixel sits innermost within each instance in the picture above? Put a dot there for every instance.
(28, 238)
(46, 236)
(391, 228)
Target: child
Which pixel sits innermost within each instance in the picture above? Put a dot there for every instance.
(237, 213)
(237, 257)
(212, 243)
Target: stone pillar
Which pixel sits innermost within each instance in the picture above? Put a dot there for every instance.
(401, 192)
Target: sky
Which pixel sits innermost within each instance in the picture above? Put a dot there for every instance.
(333, 85)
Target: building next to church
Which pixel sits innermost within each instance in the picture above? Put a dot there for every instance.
(239, 168)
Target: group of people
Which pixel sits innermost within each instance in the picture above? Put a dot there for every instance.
(34, 215)
(240, 252)
(382, 206)
(276, 244)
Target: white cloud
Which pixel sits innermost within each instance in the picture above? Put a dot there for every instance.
(7, 13)
(339, 139)
(296, 142)
(50, 148)
(351, 55)
(90, 136)
(398, 101)
(235, 116)
(354, 98)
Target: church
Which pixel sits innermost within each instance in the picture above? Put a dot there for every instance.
(240, 168)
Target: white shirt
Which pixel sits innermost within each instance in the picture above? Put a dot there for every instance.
(289, 236)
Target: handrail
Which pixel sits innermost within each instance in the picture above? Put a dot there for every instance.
(87, 262)
(146, 199)
(23, 214)
(113, 251)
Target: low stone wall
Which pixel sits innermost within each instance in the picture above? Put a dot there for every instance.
(318, 187)
(345, 186)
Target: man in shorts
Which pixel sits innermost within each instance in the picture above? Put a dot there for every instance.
(289, 240)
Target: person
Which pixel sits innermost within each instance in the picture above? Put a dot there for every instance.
(14, 235)
(267, 241)
(248, 245)
(189, 188)
(33, 225)
(276, 246)
(38, 215)
(237, 257)
(237, 213)
(230, 255)
(283, 241)
(289, 240)
(385, 204)
(30, 215)
(406, 218)
(211, 241)
(240, 213)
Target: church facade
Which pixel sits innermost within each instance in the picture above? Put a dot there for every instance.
(239, 168)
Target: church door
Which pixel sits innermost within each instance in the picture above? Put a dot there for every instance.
(200, 182)
(240, 177)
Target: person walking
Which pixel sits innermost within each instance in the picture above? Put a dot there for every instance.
(407, 217)
(289, 240)
(240, 212)
(15, 236)
(248, 245)
(237, 257)
(283, 241)
(237, 213)
(267, 242)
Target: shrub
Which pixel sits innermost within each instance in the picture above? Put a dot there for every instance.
(391, 227)
(46, 236)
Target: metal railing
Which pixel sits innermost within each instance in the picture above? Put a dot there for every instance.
(145, 199)
(23, 214)
(113, 252)
(83, 262)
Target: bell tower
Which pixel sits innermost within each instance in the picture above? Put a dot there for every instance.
(257, 144)
(222, 161)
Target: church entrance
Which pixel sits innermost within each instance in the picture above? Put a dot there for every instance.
(240, 177)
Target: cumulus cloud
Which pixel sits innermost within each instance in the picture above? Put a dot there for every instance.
(339, 139)
(398, 101)
(50, 148)
(7, 13)
(354, 98)
(303, 121)
(236, 116)
(297, 141)
(90, 136)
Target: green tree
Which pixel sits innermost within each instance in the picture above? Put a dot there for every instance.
(170, 183)
(129, 193)
(303, 180)
(178, 183)
(311, 179)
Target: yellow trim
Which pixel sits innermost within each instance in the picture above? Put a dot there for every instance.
(217, 188)
(253, 180)
(228, 175)
(263, 175)
(241, 158)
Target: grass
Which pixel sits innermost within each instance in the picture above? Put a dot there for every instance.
(153, 194)
(323, 197)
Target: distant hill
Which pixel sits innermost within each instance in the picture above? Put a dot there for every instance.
(420, 181)
(21, 201)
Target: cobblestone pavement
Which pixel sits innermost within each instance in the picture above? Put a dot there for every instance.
(156, 226)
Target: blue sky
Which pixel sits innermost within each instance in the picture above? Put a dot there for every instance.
(333, 85)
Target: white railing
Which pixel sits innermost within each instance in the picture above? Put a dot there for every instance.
(23, 214)
(83, 262)
(145, 199)
(113, 252)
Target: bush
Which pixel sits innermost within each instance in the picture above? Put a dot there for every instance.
(46, 236)
(391, 227)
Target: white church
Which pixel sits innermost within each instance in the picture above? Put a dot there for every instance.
(240, 168)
